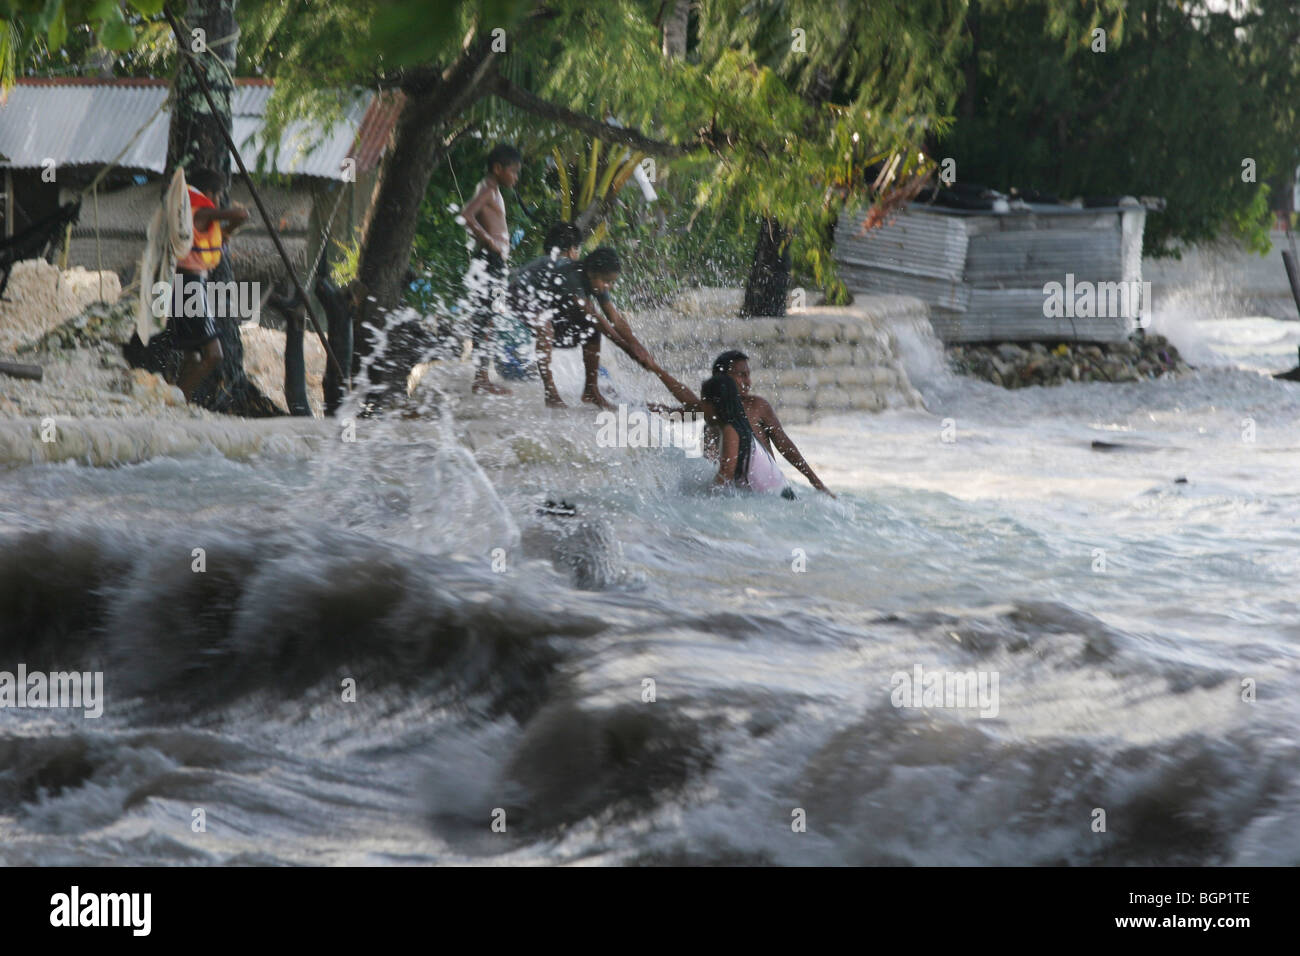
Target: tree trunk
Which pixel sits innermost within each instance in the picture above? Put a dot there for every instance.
(419, 144)
(194, 138)
(386, 249)
(969, 94)
(675, 25)
(769, 277)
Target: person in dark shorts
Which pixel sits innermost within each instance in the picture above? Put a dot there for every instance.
(515, 346)
(568, 305)
(193, 331)
(485, 281)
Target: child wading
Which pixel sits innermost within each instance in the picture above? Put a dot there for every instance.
(485, 281)
(567, 303)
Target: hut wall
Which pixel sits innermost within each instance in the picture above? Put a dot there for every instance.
(985, 276)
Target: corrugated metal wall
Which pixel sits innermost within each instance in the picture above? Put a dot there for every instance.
(984, 274)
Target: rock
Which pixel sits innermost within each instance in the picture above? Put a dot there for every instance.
(1011, 352)
(825, 332)
(797, 328)
(149, 388)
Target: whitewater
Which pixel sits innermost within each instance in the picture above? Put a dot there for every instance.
(390, 657)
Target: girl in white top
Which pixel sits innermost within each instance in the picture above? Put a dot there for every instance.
(742, 460)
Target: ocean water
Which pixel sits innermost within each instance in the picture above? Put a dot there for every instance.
(672, 676)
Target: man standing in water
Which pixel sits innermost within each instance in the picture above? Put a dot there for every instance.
(758, 410)
(485, 221)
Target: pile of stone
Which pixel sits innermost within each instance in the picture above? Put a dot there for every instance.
(1013, 365)
(95, 325)
(40, 296)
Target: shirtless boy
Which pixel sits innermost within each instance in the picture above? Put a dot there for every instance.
(485, 221)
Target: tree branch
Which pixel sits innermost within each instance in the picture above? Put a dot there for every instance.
(531, 103)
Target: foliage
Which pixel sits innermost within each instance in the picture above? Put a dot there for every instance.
(30, 29)
(1180, 97)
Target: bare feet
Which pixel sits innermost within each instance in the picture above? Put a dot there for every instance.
(482, 385)
(597, 399)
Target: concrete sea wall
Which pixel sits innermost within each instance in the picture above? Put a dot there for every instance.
(814, 362)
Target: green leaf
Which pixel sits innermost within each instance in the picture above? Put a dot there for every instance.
(407, 34)
(58, 31)
(149, 8)
(41, 22)
(115, 33)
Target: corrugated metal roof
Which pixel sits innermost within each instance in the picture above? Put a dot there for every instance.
(376, 127)
(77, 121)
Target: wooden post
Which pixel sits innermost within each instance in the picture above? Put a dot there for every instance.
(9, 203)
(340, 326)
(295, 367)
(1293, 275)
(19, 370)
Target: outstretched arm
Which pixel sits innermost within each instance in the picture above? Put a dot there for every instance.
(782, 443)
(628, 342)
(690, 401)
(230, 217)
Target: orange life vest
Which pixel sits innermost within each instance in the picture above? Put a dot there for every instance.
(206, 251)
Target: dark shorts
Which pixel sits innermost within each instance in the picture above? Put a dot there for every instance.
(487, 278)
(569, 330)
(191, 332)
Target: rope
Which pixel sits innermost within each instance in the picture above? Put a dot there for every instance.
(325, 238)
(99, 254)
(456, 181)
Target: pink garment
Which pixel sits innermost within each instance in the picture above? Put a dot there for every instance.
(764, 475)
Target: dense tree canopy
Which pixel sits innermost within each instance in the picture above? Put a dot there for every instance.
(1179, 98)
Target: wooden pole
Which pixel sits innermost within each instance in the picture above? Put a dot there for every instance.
(1292, 274)
(261, 207)
(19, 370)
(9, 203)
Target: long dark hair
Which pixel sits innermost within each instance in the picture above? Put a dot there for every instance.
(721, 392)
